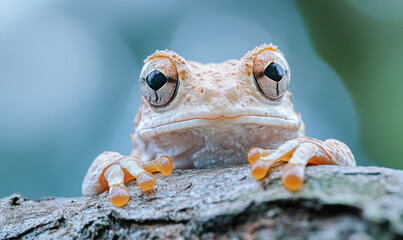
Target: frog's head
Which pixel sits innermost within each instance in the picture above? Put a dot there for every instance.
(182, 96)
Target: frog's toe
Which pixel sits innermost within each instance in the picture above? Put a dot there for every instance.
(294, 172)
(94, 181)
(118, 193)
(163, 164)
(142, 171)
(255, 153)
(135, 169)
(293, 176)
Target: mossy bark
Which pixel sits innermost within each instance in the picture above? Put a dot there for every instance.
(336, 202)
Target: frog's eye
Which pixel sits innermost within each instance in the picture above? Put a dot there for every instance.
(271, 72)
(159, 81)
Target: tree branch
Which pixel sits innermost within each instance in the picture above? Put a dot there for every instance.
(336, 202)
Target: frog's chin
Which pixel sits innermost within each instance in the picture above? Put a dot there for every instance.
(221, 123)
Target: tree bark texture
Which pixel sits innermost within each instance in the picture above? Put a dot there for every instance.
(336, 202)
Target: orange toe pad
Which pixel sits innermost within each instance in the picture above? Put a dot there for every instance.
(119, 195)
(293, 177)
(146, 181)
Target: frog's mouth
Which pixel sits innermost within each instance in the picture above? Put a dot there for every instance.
(220, 123)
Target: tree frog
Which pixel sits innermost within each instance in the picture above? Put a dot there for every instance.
(197, 115)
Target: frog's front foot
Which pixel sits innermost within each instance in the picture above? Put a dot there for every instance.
(298, 153)
(111, 170)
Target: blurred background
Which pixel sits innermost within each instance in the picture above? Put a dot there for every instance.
(69, 75)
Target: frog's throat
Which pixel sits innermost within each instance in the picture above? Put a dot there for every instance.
(222, 122)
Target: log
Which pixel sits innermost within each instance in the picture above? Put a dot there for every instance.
(336, 202)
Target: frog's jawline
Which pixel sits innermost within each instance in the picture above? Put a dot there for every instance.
(201, 143)
(222, 121)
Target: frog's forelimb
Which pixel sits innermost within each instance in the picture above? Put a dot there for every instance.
(298, 153)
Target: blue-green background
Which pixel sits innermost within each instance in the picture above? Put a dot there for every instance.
(69, 74)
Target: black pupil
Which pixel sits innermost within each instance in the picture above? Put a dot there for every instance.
(156, 79)
(274, 71)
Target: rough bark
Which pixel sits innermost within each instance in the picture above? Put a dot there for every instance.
(336, 202)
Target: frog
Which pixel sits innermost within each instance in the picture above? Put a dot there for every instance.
(195, 115)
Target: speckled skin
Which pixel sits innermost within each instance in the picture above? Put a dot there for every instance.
(216, 115)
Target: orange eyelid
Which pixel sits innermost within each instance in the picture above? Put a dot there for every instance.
(160, 56)
(271, 49)
(267, 49)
